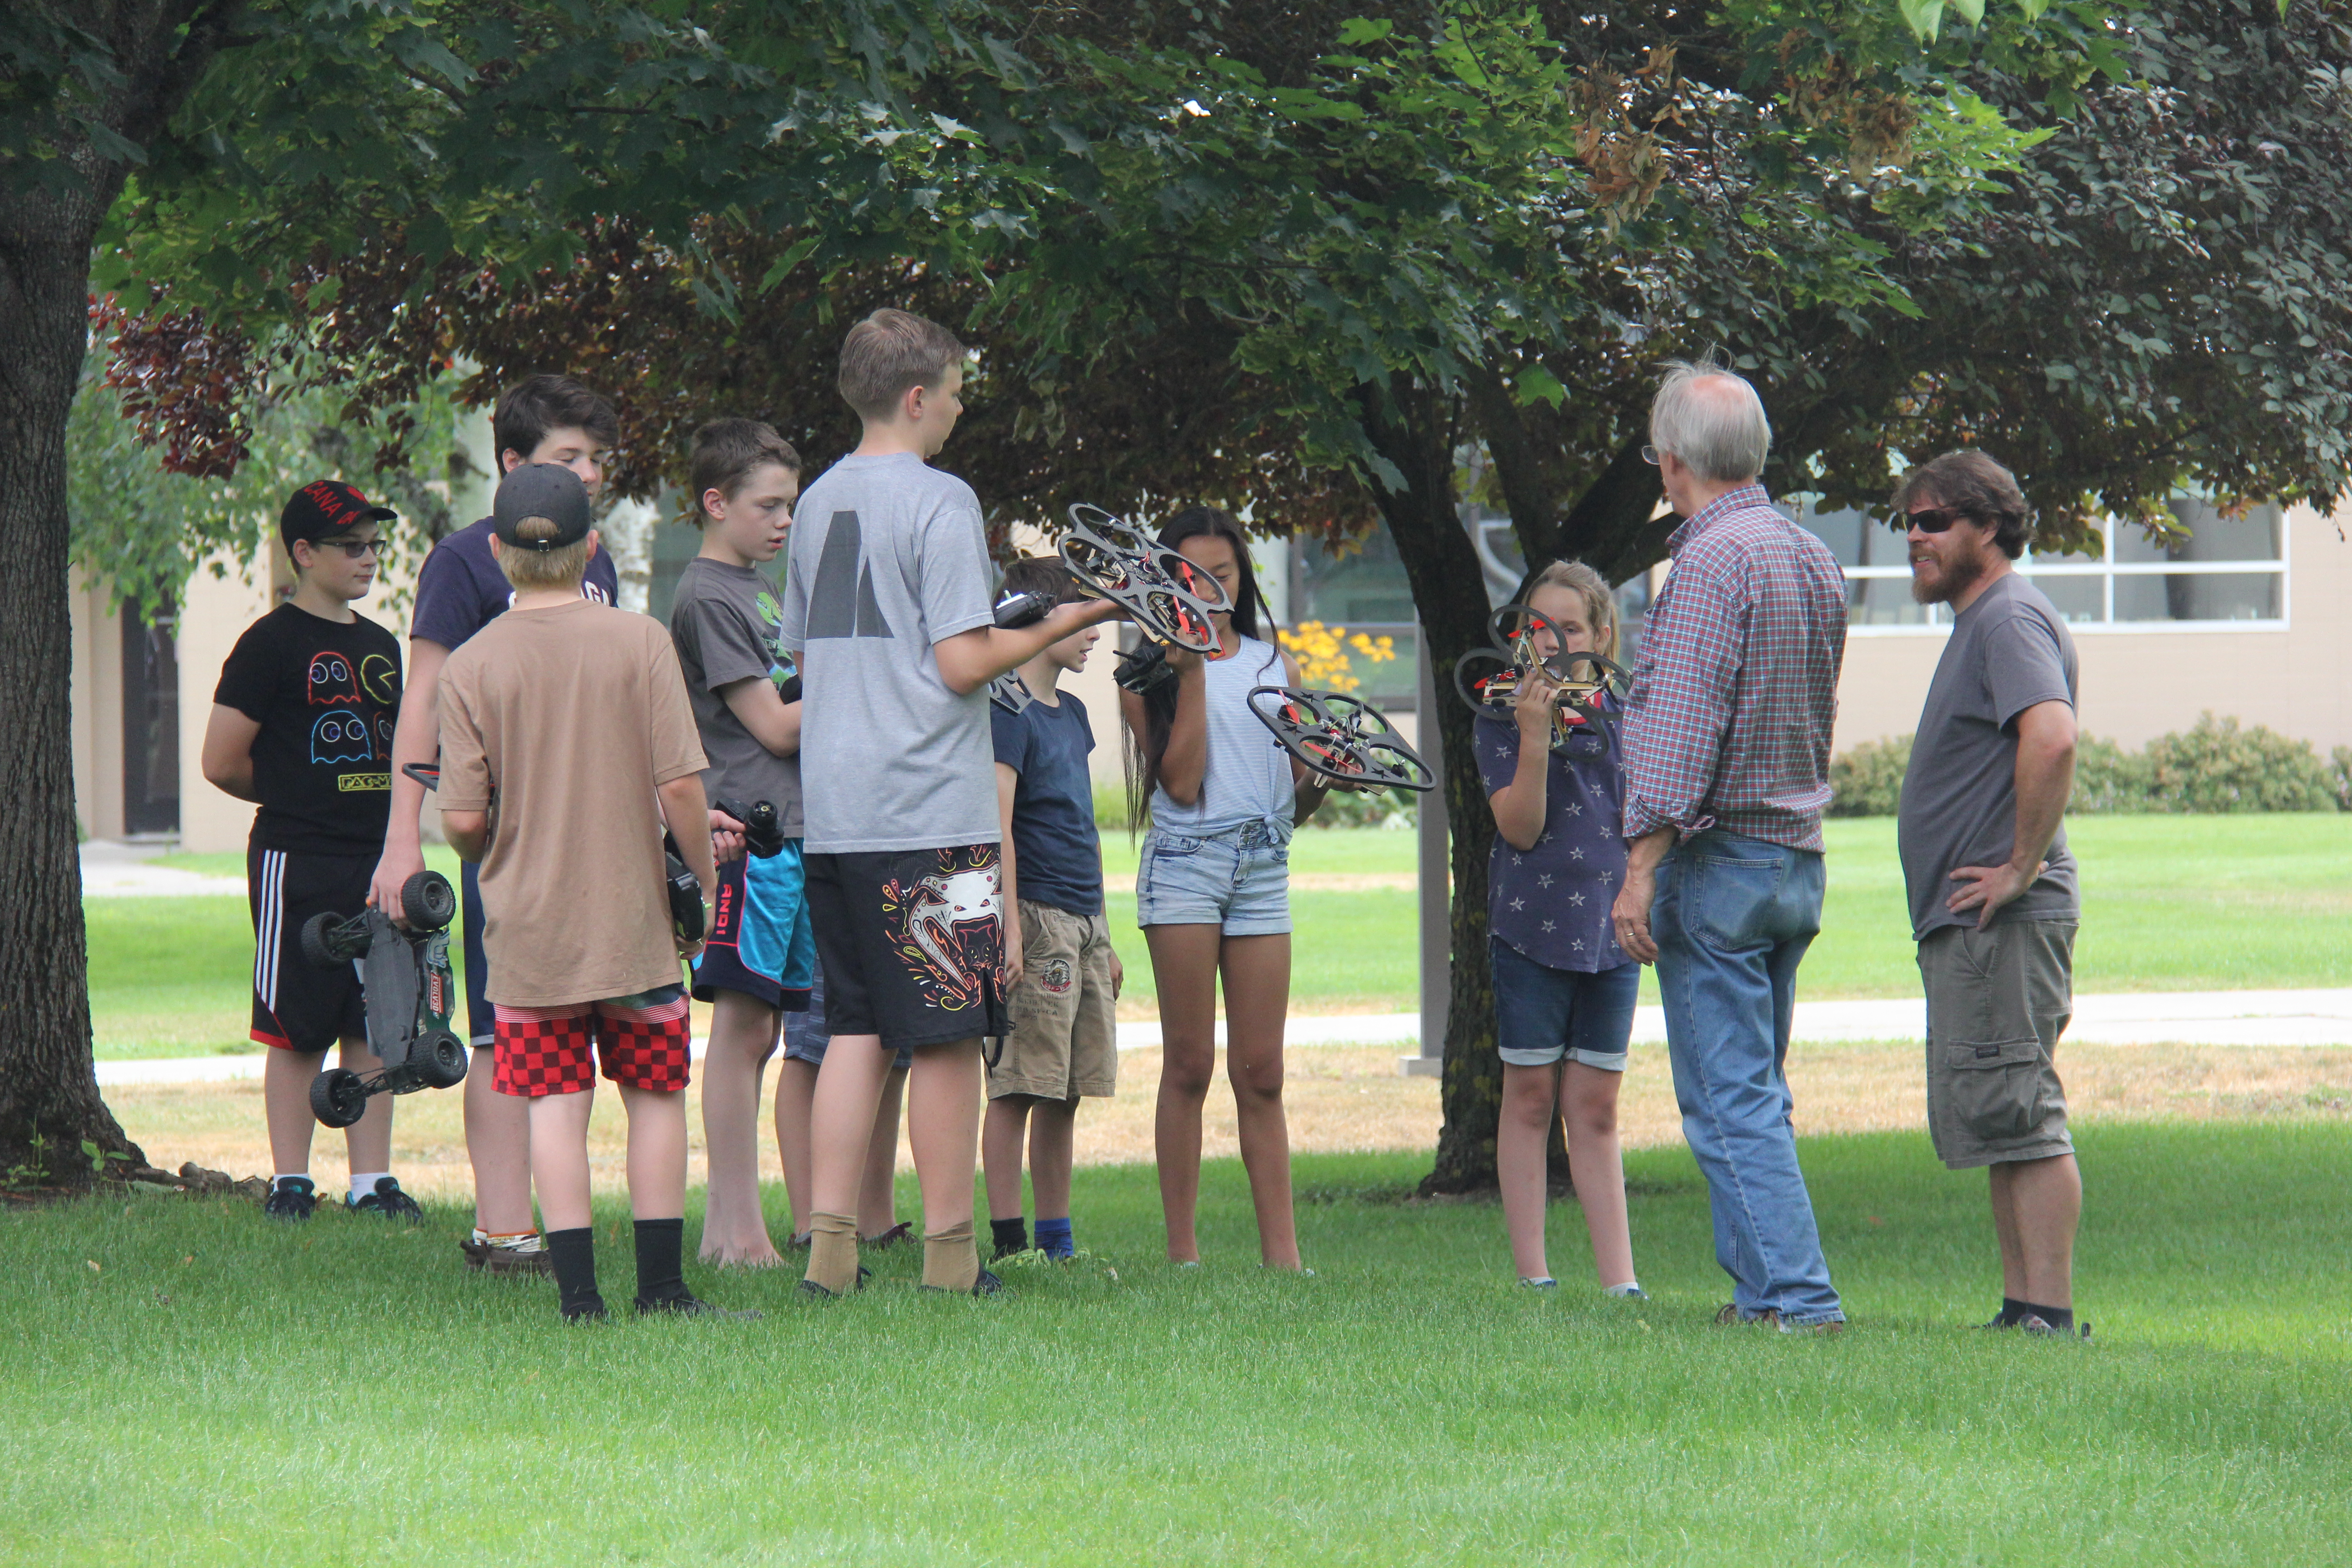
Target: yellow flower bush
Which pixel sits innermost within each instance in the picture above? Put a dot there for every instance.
(1327, 654)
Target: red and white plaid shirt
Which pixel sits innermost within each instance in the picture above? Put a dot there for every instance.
(1728, 722)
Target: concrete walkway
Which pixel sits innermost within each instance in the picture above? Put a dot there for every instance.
(111, 870)
(2204, 1018)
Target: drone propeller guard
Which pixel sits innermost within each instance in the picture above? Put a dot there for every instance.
(1169, 599)
(1340, 737)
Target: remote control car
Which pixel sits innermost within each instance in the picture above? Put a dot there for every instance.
(404, 970)
(1169, 598)
(1341, 737)
(1526, 642)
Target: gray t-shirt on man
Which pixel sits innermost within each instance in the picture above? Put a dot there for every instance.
(2007, 651)
(724, 622)
(889, 556)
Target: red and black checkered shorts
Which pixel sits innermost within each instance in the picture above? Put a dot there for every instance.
(642, 1040)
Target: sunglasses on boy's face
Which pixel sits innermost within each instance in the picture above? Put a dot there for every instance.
(1936, 519)
(354, 548)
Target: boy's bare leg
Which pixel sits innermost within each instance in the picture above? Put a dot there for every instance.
(559, 1153)
(878, 1195)
(742, 1037)
(999, 1153)
(367, 1142)
(1184, 965)
(1587, 1105)
(796, 1089)
(1522, 1129)
(1257, 1001)
(286, 1079)
(498, 1142)
(656, 1152)
(943, 1096)
(2037, 1204)
(1052, 1129)
(841, 1132)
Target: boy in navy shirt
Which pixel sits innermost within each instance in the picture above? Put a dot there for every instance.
(1065, 977)
(301, 725)
(460, 590)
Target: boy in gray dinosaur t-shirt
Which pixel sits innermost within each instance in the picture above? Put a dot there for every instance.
(888, 609)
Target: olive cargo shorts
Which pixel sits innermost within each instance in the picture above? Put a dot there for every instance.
(1997, 1002)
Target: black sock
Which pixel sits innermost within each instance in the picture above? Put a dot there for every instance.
(2012, 1309)
(572, 1254)
(2059, 1318)
(1009, 1235)
(661, 1261)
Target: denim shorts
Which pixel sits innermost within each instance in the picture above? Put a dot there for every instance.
(1542, 1014)
(1238, 879)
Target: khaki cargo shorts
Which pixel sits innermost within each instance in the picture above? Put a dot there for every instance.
(1065, 1038)
(1997, 1002)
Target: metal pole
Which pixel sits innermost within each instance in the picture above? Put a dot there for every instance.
(1436, 890)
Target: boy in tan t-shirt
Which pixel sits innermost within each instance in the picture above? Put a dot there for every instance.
(563, 723)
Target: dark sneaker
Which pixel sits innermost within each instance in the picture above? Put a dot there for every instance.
(591, 1310)
(2041, 1328)
(527, 1256)
(1538, 1282)
(389, 1200)
(694, 1307)
(810, 1288)
(290, 1199)
(903, 1231)
(986, 1284)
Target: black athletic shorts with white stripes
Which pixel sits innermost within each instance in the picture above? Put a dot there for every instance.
(295, 1006)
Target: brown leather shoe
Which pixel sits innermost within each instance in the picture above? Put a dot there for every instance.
(903, 1231)
(495, 1259)
(1769, 1318)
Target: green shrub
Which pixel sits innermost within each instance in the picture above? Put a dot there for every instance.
(1868, 780)
(2339, 766)
(1394, 808)
(2108, 779)
(2216, 766)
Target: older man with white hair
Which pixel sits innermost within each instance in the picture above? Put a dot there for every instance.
(1727, 747)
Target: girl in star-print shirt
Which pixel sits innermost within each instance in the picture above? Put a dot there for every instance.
(1563, 991)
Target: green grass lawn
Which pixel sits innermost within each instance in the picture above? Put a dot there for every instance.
(2170, 903)
(192, 1385)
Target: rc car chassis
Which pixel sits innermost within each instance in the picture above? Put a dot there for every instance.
(1168, 597)
(1341, 737)
(405, 969)
(1591, 688)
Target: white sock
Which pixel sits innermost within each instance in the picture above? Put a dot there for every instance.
(364, 1187)
(1631, 1288)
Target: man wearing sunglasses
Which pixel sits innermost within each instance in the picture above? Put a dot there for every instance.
(1726, 746)
(1993, 893)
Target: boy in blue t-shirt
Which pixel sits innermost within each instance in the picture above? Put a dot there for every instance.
(1065, 977)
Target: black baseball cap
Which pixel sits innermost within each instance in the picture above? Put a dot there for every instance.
(326, 507)
(541, 489)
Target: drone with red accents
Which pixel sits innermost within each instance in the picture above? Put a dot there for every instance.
(1341, 739)
(1593, 689)
(1169, 599)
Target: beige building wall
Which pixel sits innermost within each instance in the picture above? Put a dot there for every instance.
(2141, 682)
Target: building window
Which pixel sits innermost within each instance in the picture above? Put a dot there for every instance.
(2229, 572)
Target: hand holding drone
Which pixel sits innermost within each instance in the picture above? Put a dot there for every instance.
(1171, 600)
(1340, 739)
(1592, 689)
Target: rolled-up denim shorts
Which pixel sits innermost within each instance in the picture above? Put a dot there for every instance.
(1542, 1014)
(1237, 880)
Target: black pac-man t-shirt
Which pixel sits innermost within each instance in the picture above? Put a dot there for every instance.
(326, 695)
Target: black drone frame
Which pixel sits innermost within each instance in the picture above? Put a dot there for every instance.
(1488, 678)
(1341, 737)
(1169, 599)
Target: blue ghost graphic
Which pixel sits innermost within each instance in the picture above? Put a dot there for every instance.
(340, 738)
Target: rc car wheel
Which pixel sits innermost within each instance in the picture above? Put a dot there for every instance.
(427, 901)
(317, 943)
(440, 1059)
(338, 1096)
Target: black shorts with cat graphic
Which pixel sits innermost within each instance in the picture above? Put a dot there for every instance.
(911, 941)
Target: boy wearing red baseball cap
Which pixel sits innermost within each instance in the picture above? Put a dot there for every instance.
(301, 725)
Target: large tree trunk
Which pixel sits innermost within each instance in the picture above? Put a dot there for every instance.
(49, 1104)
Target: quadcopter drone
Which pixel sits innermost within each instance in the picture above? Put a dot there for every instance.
(1591, 688)
(1169, 598)
(1340, 737)
(405, 974)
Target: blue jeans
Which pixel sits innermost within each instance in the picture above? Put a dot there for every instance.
(1542, 1014)
(1732, 919)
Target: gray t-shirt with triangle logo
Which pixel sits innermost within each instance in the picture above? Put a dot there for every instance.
(889, 556)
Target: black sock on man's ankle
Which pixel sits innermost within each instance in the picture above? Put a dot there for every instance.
(661, 1260)
(572, 1254)
(1010, 1236)
(2059, 1318)
(2012, 1309)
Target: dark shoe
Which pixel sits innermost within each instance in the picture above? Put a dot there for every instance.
(694, 1307)
(389, 1200)
(903, 1231)
(1729, 1316)
(591, 1310)
(1539, 1282)
(810, 1288)
(528, 1257)
(2041, 1328)
(986, 1284)
(292, 1199)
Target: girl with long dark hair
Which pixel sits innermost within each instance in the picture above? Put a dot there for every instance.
(1213, 892)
